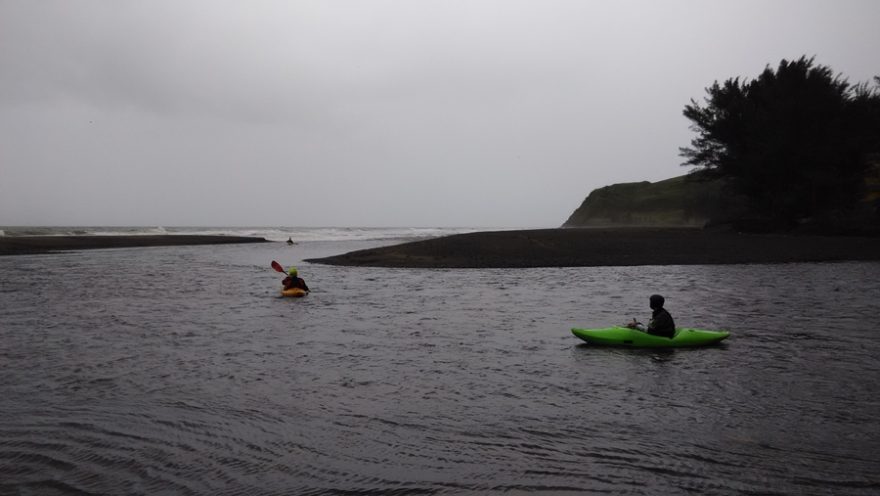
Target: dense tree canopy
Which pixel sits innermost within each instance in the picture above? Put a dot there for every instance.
(796, 141)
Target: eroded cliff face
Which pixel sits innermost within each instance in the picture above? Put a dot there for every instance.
(679, 201)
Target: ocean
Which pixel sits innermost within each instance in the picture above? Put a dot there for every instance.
(269, 233)
(181, 370)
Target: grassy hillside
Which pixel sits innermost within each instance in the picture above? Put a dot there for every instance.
(686, 201)
(679, 201)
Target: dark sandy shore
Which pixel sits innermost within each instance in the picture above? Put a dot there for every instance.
(610, 247)
(19, 245)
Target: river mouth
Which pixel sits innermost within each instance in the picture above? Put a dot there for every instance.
(182, 370)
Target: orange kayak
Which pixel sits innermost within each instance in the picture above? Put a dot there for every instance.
(293, 292)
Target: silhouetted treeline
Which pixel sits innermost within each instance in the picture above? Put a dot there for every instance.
(797, 141)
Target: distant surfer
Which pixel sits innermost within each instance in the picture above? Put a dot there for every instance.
(661, 323)
(290, 240)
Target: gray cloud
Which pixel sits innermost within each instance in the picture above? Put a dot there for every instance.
(484, 113)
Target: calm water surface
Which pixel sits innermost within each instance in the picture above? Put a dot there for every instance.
(180, 371)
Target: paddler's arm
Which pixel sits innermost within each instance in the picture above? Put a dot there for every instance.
(636, 325)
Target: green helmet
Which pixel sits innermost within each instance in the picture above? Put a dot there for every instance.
(291, 272)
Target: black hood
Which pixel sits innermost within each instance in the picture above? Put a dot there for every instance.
(657, 301)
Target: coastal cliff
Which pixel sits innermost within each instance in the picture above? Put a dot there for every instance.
(679, 201)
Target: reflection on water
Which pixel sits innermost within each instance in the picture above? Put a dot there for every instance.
(179, 371)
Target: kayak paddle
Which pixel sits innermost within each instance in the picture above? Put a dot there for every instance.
(277, 266)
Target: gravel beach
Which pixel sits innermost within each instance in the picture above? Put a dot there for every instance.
(19, 245)
(611, 247)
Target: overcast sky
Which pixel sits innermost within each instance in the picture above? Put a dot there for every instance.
(372, 113)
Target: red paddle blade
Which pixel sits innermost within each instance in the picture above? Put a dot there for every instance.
(277, 266)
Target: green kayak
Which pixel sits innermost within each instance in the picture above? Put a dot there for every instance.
(624, 336)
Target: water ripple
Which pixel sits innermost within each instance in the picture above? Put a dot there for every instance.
(429, 382)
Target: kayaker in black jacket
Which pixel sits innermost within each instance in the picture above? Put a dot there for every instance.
(292, 281)
(661, 323)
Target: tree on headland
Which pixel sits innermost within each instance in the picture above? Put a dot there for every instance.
(796, 141)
